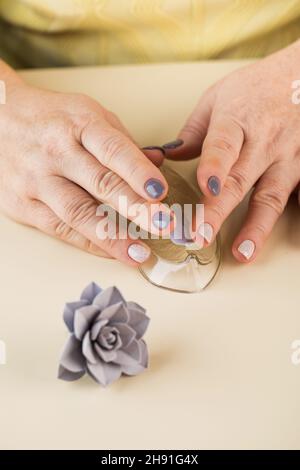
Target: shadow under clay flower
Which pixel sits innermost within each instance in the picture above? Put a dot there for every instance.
(105, 339)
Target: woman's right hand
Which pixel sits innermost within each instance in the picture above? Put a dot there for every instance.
(63, 153)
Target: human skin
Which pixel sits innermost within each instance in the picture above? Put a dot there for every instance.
(246, 128)
(63, 153)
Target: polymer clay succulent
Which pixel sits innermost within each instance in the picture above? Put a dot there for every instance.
(106, 336)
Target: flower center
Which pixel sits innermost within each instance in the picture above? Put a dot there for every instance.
(108, 337)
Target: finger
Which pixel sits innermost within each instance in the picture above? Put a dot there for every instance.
(242, 177)
(78, 210)
(108, 187)
(154, 153)
(190, 139)
(221, 149)
(115, 122)
(117, 152)
(265, 207)
(44, 219)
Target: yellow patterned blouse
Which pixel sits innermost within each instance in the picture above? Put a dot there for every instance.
(37, 33)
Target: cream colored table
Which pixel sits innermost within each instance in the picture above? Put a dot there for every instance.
(221, 374)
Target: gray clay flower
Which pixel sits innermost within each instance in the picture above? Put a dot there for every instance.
(105, 339)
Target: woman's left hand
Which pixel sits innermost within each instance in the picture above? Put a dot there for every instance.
(247, 129)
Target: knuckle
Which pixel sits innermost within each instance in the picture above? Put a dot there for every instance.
(58, 138)
(83, 100)
(85, 112)
(271, 198)
(113, 246)
(106, 184)
(194, 128)
(64, 232)
(51, 145)
(236, 184)
(54, 226)
(97, 178)
(112, 146)
(79, 212)
(111, 116)
(83, 97)
(218, 211)
(25, 184)
(61, 230)
(222, 144)
(56, 151)
(260, 228)
(88, 245)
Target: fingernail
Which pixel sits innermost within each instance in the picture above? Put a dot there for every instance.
(247, 248)
(214, 185)
(154, 188)
(161, 220)
(154, 147)
(206, 231)
(138, 252)
(181, 233)
(173, 145)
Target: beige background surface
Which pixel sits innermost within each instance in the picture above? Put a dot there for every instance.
(220, 375)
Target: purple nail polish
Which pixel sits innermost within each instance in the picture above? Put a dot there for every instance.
(214, 185)
(173, 145)
(154, 188)
(181, 234)
(161, 220)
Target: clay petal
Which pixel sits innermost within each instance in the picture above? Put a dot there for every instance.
(117, 313)
(109, 296)
(129, 355)
(72, 358)
(90, 292)
(119, 343)
(106, 355)
(65, 374)
(138, 321)
(136, 367)
(104, 373)
(88, 349)
(83, 319)
(69, 312)
(132, 369)
(135, 306)
(127, 334)
(144, 353)
(95, 330)
(133, 350)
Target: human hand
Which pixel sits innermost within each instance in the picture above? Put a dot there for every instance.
(63, 153)
(246, 128)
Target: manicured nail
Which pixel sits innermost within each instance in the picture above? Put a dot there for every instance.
(181, 233)
(161, 220)
(214, 185)
(154, 147)
(154, 188)
(247, 248)
(206, 231)
(173, 145)
(138, 252)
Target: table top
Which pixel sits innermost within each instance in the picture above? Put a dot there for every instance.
(220, 373)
